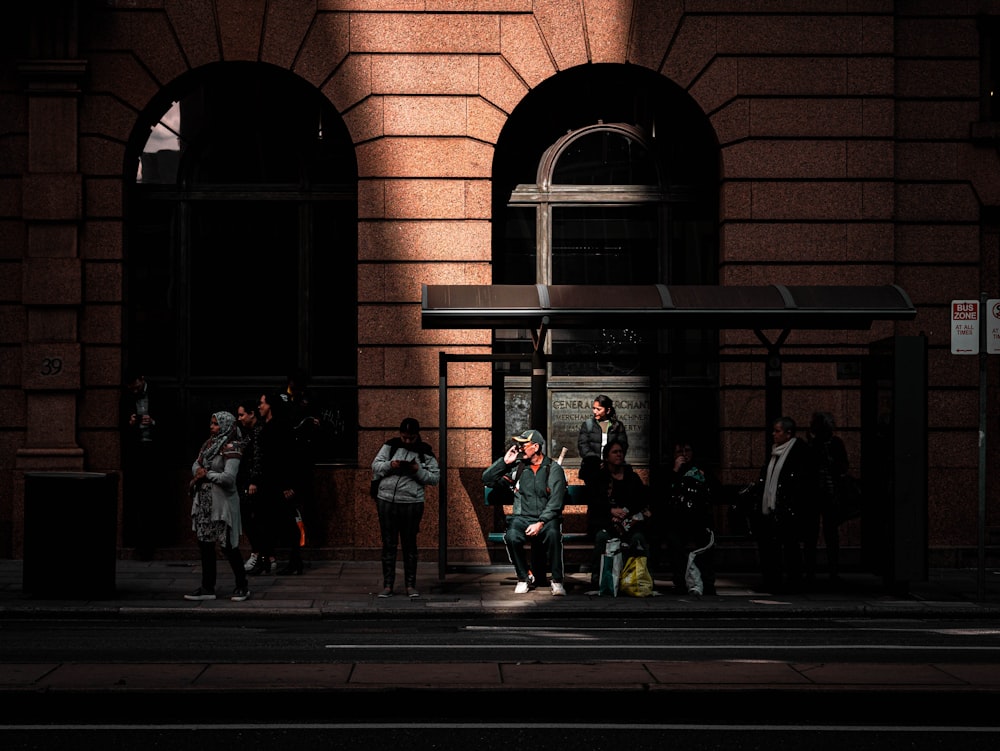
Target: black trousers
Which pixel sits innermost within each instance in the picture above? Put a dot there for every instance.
(779, 548)
(209, 571)
(399, 524)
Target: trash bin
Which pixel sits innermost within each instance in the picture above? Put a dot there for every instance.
(70, 534)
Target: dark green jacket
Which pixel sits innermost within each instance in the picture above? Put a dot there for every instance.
(537, 496)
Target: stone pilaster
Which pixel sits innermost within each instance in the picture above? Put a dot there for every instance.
(51, 285)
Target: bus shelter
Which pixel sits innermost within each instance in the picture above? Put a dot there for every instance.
(541, 308)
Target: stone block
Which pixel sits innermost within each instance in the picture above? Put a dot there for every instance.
(101, 324)
(608, 26)
(13, 239)
(48, 324)
(51, 419)
(194, 24)
(53, 240)
(284, 29)
(929, 202)
(483, 120)
(120, 73)
(102, 369)
(935, 36)
(442, 75)
(802, 118)
(424, 157)
(351, 83)
(10, 366)
(803, 159)
(52, 197)
(792, 76)
(799, 200)
(49, 149)
(100, 239)
(653, 25)
(718, 85)
(562, 25)
(425, 199)
(498, 84)
(52, 281)
(366, 121)
(927, 243)
(102, 282)
(454, 33)
(521, 45)
(871, 159)
(934, 78)
(425, 116)
(104, 198)
(324, 48)
(426, 240)
(50, 366)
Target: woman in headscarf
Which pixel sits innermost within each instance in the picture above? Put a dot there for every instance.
(215, 506)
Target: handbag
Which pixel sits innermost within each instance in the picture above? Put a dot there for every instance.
(636, 581)
(692, 574)
(611, 568)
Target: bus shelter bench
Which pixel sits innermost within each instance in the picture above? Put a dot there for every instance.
(574, 498)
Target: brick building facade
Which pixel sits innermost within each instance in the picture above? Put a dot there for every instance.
(832, 143)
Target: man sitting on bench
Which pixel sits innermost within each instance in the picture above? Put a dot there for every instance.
(539, 495)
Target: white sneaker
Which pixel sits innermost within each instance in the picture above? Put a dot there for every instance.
(251, 563)
(521, 588)
(558, 589)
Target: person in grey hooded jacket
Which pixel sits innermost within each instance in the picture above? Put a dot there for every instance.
(402, 468)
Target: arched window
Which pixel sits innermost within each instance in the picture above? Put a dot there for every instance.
(241, 243)
(625, 191)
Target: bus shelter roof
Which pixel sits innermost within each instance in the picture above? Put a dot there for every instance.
(579, 306)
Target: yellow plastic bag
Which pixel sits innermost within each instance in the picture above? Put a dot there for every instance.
(636, 581)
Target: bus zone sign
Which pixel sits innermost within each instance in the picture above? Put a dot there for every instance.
(966, 318)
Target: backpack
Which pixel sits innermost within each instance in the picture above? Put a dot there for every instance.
(503, 489)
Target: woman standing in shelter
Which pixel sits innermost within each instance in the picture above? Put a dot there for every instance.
(596, 432)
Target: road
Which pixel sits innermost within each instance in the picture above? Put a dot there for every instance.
(722, 718)
(432, 641)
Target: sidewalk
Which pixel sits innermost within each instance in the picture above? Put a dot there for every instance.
(338, 590)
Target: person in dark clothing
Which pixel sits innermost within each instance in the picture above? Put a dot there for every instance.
(787, 487)
(688, 523)
(144, 467)
(832, 464)
(249, 476)
(276, 491)
(617, 506)
(539, 496)
(596, 432)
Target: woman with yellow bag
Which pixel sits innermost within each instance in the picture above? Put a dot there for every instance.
(617, 508)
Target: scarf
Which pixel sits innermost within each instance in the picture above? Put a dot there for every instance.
(212, 447)
(778, 456)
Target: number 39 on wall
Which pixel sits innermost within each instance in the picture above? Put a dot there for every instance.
(51, 366)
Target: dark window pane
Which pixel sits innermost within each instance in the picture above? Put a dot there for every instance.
(605, 245)
(605, 158)
(518, 263)
(152, 285)
(333, 299)
(244, 288)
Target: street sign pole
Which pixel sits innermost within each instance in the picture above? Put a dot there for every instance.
(985, 317)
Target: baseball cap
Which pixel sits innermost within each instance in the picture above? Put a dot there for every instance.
(530, 436)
